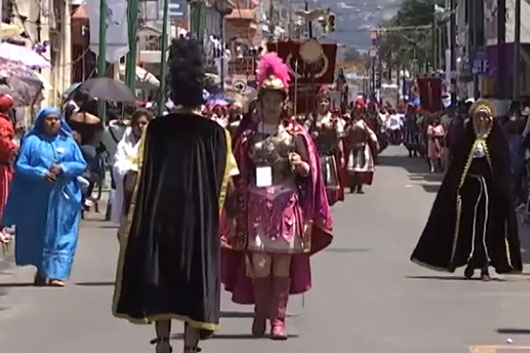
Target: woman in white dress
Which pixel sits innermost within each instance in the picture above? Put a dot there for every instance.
(124, 159)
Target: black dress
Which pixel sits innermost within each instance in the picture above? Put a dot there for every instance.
(472, 220)
(170, 254)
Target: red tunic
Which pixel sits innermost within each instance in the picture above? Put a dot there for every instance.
(8, 150)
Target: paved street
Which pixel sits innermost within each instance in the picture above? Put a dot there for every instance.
(367, 296)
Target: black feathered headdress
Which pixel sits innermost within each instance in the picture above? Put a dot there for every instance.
(186, 72)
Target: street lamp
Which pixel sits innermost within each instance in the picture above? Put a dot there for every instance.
(224, 9)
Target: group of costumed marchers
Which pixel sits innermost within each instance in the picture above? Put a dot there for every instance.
(472, 222)
(176, 250)
(346, 143)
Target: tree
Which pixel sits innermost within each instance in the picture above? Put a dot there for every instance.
(399, 47)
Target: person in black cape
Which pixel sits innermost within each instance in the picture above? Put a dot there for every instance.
(472, 222)
(170, 243)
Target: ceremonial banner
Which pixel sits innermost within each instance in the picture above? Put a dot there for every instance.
(320, 72)
(430, 93)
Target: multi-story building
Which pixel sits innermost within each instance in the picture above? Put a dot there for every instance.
(485, 48)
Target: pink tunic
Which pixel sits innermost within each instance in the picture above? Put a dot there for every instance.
(436, 135)
(275, 219)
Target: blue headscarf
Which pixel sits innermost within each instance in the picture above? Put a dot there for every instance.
(65, 129)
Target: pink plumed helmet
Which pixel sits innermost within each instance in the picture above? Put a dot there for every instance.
(273, 74)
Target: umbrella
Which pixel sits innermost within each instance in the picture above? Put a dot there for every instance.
(23, 55)
(72, 89)
(21, 82)
(108, 89)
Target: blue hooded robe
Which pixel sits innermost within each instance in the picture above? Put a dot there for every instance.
(46, 214)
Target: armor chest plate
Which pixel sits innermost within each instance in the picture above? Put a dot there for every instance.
(358, 134)
(327, 138)
(274, 151)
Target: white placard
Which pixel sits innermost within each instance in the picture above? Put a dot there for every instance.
(263, 177)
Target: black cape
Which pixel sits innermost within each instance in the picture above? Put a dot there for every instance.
(170, 251)
(436, 248)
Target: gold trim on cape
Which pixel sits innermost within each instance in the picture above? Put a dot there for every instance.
(431, 267)
(226, 174)
(458, 206)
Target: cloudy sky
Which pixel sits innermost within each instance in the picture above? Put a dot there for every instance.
(355, 18)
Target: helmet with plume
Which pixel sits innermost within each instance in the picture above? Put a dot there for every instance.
(324, 93)
(273, 74)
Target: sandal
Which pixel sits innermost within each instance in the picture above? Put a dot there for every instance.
(195, 349)
(158, 342)
(56, 283)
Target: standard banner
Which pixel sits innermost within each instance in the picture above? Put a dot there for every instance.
(321, 72)
(430, 93)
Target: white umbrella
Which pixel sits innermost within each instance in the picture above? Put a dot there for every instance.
(143, 76)
(23, 55)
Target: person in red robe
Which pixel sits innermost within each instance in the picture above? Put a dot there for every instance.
(8, 151)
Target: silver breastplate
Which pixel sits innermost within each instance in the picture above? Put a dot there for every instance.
(358, 135)
(273, 151)
(327, 137)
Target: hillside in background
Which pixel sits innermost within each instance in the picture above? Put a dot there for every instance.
(355, 18)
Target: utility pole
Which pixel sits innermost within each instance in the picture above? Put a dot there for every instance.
(309, 23)
(102, 58)
(474, 44)
(163, 60)
(272, 25)
(434, 44)
(290, 29)
(1, 17)
(516, 51)
(130, 68)
(453, 50)
(222, 73)
(501, 39)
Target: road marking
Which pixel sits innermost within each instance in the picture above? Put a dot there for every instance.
(497, 349)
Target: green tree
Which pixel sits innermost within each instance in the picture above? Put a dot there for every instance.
(405, 47)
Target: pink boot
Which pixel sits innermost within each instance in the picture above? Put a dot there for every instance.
(262, 293)
(280, 297)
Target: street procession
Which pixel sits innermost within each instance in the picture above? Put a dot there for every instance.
(264, 175)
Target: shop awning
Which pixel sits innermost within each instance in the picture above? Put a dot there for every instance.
(10, 30)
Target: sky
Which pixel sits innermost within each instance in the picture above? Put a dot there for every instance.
(355, 18)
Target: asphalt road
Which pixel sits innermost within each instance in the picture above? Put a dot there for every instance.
(367, 296)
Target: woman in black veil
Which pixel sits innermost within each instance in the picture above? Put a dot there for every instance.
(472, 222)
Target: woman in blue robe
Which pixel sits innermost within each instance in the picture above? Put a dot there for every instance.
(45, 199)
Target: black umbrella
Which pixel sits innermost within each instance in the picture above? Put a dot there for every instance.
(108, 89)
